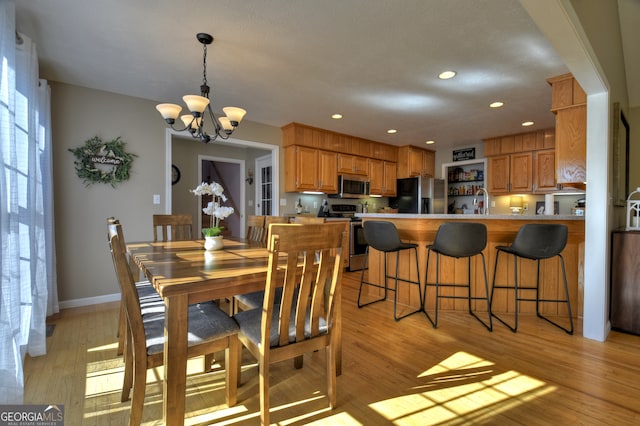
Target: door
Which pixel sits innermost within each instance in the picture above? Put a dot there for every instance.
(264, 186)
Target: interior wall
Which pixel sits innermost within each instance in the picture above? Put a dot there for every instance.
(634, 147)
(85, 271)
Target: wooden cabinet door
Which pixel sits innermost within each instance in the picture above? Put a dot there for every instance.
(382, 178)
(353, 165)
(428, 163)
(306, 168)
(376, 177)
(327, 171)
(571, 144)
(498, 174)
(389, 187)
(625, 292)
(415, 162)
(544, 177)
(521, 173)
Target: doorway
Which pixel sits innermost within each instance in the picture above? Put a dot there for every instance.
(178, 197)
(227, 172)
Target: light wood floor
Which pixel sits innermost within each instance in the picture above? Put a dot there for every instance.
(401, 373)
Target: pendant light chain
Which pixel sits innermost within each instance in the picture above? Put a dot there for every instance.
(204, 65)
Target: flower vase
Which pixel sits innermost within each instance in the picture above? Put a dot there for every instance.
(213, 243)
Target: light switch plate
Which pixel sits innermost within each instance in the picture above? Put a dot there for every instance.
(156, 198)
(283, 201)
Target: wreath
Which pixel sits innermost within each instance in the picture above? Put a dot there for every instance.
(102, 162)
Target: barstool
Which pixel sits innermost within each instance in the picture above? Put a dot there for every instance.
(535, 242)
(458, 240)
(383, 236)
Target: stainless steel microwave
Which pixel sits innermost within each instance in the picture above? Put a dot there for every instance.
(350, 186)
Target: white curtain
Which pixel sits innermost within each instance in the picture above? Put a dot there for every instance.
(27, 283)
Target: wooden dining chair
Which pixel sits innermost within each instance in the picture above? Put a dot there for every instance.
(209, 330)
(166, 227)
(310, 290)
(245, 302)
(268, 220)
(308, 219)
(172, 227)
(147, 294)
(255, 228)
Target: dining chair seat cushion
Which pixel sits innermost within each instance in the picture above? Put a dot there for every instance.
(206, 322)
(255, 300)
(145, 289)
(250, 322)
(150, 300)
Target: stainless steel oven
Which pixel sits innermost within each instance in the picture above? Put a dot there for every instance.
(357, 246)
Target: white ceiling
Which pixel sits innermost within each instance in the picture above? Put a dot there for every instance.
(374, 61)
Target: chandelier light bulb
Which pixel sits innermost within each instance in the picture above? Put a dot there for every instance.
(196, 103)
(169, 111)
(234, 114)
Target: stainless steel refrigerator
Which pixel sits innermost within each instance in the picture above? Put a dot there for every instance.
(420, 195)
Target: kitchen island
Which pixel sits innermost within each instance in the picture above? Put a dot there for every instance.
(501, 230)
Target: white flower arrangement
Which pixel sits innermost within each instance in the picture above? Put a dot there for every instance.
(215, 209)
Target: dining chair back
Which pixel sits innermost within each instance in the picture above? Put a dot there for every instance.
(210, 330)
(308, 219)
(255, 228)
(172, 227)
(268, 220)
(145, 291)
(306, 262)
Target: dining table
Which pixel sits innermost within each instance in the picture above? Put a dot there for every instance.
(183, 273)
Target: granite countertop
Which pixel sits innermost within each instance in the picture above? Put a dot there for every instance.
(468, 216)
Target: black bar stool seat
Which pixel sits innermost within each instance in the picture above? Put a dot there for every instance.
(383, 236)
(535, 241)
(458, 240)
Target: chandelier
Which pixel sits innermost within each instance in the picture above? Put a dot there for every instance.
(194, 122)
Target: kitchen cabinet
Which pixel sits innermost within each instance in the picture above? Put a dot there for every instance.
(382, 178)
(571, 144)
(625, 281)
(544, 173)
(510, 174)
(523, 163)
(353, 164)
(414, 161)
(569, 104)
(310, 169)
(382, 151)
(303, 135)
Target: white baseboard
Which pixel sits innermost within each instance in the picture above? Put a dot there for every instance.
(76, 303)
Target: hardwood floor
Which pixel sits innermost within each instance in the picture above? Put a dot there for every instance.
(401, 373)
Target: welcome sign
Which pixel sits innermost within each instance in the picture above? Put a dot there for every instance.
(464, 154)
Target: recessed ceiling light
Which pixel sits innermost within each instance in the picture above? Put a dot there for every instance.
(336, 116)
(527, 123)
(445, 75)
(496, 104)
(430, 142)
(392, 131)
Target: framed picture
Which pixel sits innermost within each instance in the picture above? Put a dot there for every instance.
(620, 157)
(540, 207)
